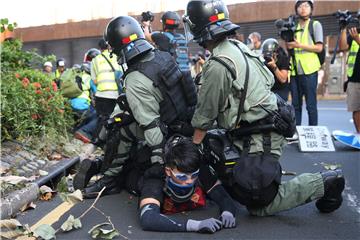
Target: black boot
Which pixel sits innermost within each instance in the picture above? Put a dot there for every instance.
(87, 169)
(334, 184)
(110, 183)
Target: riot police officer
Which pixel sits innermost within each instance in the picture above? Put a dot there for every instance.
(160, 98)
(169, 40)
(236, 103)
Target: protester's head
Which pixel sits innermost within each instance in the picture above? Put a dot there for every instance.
(254, 40)
(207, 21)
(182, 163)
(126, 38)
(90, 54)
(170, 20)
(304, 8)
(60, 64)
(47, 67)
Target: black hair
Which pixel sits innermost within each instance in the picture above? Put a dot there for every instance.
(183, 154)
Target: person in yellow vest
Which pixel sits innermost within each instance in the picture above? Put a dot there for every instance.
(305, 63)
(103, 71)
(60, 68)
(82, 104)
(352, 42)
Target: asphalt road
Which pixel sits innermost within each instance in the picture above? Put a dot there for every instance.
(303, 222)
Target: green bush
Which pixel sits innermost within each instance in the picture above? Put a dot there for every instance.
(31, 104)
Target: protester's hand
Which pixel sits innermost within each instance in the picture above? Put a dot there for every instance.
(354, 34)
(292, 45)
(228, 220)
(209, 225)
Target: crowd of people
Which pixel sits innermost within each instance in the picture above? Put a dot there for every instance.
(164, 131)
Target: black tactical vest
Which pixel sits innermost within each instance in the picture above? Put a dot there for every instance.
(177, 88)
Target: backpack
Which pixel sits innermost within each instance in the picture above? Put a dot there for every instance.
(71, 84)
(322, 54)
(253, 180)
(178, 49)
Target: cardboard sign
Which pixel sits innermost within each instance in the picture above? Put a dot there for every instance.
(315, 139)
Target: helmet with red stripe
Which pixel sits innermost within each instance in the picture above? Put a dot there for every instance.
(170, 20)
(207, 20)
(126, 38)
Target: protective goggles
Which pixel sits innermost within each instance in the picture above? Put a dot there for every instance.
(184, 176)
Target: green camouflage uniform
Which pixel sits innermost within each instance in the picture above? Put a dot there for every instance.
(219, 100)
(143, 99)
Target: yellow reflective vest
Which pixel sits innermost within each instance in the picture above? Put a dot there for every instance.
(309, 60)
(105, 76)
(86, 78)
(352, 57)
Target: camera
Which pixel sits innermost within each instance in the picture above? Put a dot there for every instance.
(287, 28)
(267, 56)
(346, 19)
(147, 16)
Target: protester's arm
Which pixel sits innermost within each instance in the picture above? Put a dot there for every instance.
(215, 191)
(151, 218)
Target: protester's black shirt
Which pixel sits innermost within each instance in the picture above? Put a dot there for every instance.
(161, 40)
(356, 73)
(283, 64)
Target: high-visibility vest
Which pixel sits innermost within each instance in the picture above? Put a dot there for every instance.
(86, 78)
(105, 76)
(309, 60)
(352, 57)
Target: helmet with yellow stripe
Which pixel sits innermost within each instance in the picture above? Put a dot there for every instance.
(126, 38)
(207, 20)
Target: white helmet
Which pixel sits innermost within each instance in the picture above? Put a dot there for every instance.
(47, 64)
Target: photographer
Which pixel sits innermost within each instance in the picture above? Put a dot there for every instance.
(277, 61)
(352, 86)
(305, 62)
(169, 40)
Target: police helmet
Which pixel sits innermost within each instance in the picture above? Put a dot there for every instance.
(207, 20)
(85, 66)
(126, 37)
(298, 2)
(60, 62)
(170, 20)
(90, 54)
(270, 45)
